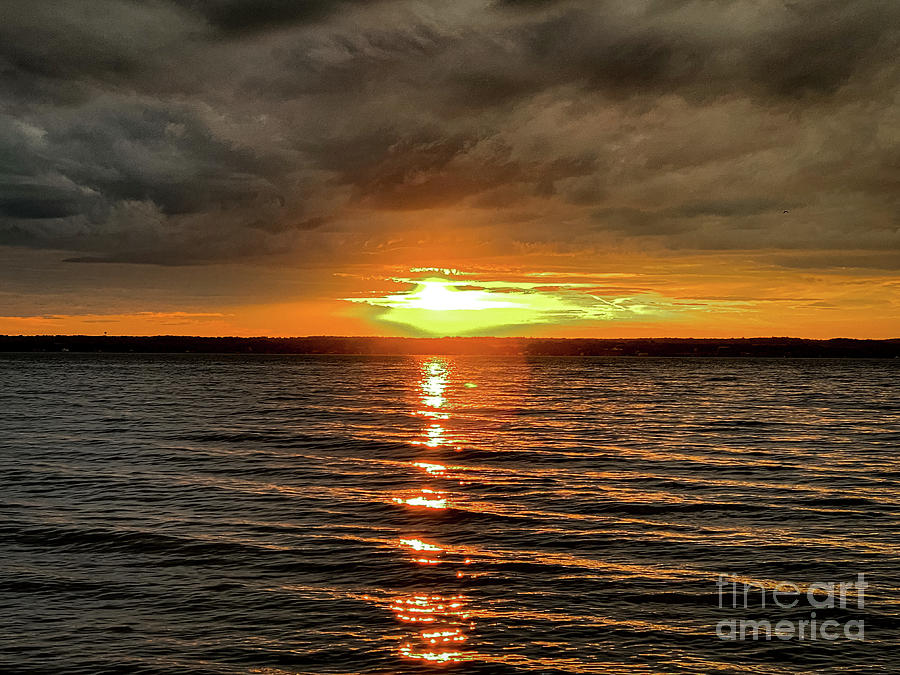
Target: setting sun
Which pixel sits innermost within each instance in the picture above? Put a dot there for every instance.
(440, 307)
(438, 295)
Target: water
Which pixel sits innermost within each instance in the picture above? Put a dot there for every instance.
(233, 514)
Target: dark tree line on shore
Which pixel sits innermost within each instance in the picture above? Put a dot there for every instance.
(738, 347)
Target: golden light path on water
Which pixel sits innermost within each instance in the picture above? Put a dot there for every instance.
(440, 620)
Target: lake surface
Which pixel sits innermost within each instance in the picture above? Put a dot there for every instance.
(255, 514)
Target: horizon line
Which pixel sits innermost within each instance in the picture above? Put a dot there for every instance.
(435, 337)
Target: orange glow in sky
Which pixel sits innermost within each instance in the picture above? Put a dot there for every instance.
(714, 297)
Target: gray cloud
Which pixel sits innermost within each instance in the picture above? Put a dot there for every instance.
(702, 49)
(247, 16)
(179, 132)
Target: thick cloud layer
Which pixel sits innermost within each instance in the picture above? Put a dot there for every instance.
(187, 132)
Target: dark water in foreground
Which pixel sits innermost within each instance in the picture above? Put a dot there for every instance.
(228, 514)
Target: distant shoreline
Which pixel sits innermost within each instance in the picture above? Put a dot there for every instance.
(772, 347)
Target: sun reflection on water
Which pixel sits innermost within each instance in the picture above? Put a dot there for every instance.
(441, 618)
(428, 498)
(435, 436)
(434, 469)
(422, 552)
(446, 618)
(434, 383)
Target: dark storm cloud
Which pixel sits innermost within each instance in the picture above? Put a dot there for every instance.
(108, 176)
(641, 223)
(426, 171)
(245, 16)
(524, 3)
(178, 131)
(162, 155)
(60, 52)
(37, 202)
(740, 207)
(703, 49)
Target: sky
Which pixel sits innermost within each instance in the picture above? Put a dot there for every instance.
(603, 168)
